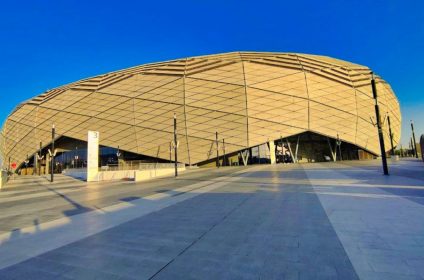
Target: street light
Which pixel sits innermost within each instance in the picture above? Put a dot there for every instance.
(26, 165)
(39, 159)
(380, 130)
(339, 143)
(414, 142)
(217, 149)
(118, 154)
(391, 135)
(175, 145)
(223, 151)
(53, 153)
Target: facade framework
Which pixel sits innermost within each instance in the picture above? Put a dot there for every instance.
(249, 98)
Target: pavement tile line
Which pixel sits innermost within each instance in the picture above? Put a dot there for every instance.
(364, 195)
(200, 237)
(370, 255)
(29, 242)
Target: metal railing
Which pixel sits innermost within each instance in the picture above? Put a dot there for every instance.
(130, 166)
(138, 166)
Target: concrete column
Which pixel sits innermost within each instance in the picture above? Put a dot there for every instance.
(3, 178)
(47, 168)
(35, 169)
(272, 152)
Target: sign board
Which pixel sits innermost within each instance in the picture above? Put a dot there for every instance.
(14, 165)
(92, 156)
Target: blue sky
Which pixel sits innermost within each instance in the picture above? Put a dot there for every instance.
(45, 44)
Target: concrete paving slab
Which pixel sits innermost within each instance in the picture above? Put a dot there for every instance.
(306, 221)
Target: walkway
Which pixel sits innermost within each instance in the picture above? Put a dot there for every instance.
(311, 221)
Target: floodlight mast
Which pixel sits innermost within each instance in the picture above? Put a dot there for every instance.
(380, 130)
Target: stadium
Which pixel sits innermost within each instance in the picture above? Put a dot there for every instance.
(231, 108)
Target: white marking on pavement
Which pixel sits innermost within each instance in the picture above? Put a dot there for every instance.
(28, 242)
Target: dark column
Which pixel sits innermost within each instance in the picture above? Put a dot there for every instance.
(175, 145)
(413, 139)
(217, 149)
(339, 144)
(39, 160)
(391, 136)
(380, 130)
(223, 150)
(52, 156)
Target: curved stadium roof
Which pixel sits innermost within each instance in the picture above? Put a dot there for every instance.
(248, 97)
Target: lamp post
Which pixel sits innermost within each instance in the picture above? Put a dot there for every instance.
(217, 149)
(52, 154)
(339, 143)
(380, 130)
(175, 145)
(413, 139)
(39, 159)
(26, 161)
(411, 146)
(170, 152)
(282, 149)
(391, 136)
(118, 154)
(223, 149)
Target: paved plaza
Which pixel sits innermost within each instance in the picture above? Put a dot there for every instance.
(340, 220)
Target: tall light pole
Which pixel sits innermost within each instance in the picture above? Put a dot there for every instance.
(391, 136)
(223, 149)
(170, 152)
(175, 145)
(26, 163)
(118, 155)
(217, 149)
(380, 130)
(411, 146)
(414, 142)
(40, 158)
(53, 154)
(339, 143)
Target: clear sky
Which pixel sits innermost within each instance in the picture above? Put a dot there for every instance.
(45, 44)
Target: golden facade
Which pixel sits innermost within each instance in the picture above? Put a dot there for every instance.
(249, 98)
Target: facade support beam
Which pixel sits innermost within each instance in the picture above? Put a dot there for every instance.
(333, 153)
(272, 152)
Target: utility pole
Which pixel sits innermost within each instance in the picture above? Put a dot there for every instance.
(217, 149)
(391, 136)
(175, 145)
(380, 130)
(415, 142)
